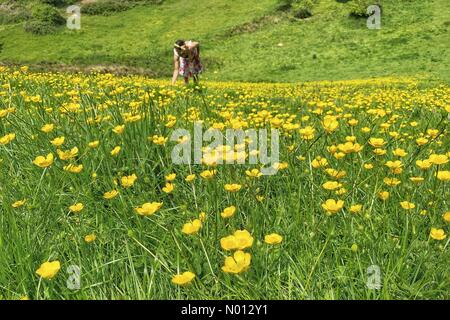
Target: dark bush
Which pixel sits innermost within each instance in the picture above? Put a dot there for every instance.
(44, 19)
(358, 8)
(58, 3)
(39, 27)
(302, 9)
(285, 5)
(13, 13)
(302, 13)
(47, 13)
(105, 7)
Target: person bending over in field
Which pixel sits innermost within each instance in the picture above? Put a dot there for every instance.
(186, 58)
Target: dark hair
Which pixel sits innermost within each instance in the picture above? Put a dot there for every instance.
(180, 43)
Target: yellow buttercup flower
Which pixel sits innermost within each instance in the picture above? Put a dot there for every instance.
(76, 207)
(384, 195)
(437, 234)
(443, 175)
(128, 181)
(280, 165)
(110, 194)
(183, 279)
(400, 153)
(90, 238)
(273, 238)
(438, 159)
(57, 142)
(407, 205)
(208, 174)
(332, 206)
(379, 152)
(356, 208)
(234, 187)
(48, 270)
(238, 263)
(18, 203)
(319, 162)
(115, 151)
(94, 144)
(192, 227)
(368, 166)
(148, 209)
(254, 173)
(228, 212)
(171, 177)
(330, 124)
(158, 140)
(391, 181)
(73, 168)
(119, 129)
(48, 128)
(421, 141)
(7, 138)
(350, 147)
(190, 178)
(307, 133)
(171, 123)
(44, 162)
(395, 166)
(168, 188)
(446, 216)
(331, 185)
(377, 142)
(67, 155)
(416, 179)
(423, 164)
(240, 240)
(202, 216)
(336, 174)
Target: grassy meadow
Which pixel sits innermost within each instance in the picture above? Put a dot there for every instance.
(86, 180)
(249, 41)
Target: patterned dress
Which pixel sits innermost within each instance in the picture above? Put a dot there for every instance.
(190, 65)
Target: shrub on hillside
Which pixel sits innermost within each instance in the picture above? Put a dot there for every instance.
(358, 8)
(285, 5)
(13, 12)
(105, 7)
(58, 3)
(47, 13)
(303, 9)
(44, 19)
(39, 27)
(300, 9)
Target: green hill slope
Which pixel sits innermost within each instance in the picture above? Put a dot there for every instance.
(250, 40)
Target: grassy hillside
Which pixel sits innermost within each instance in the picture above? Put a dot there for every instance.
(249, 40)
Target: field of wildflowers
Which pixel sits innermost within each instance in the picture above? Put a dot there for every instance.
(93, 207)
